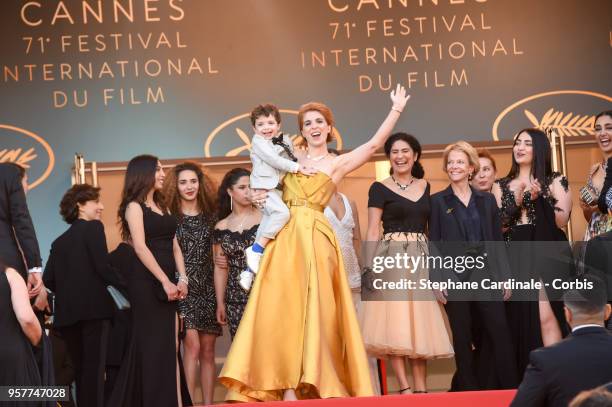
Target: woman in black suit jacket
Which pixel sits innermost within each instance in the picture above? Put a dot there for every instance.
(78, 272)
(466, 222)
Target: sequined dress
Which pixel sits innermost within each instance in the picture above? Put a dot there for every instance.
(600, 222)
(194, 234)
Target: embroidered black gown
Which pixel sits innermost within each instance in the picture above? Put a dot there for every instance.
(538, 250)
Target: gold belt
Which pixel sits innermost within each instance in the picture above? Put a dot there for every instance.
(306, 203)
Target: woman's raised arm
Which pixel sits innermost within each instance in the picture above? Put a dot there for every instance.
(348, 162)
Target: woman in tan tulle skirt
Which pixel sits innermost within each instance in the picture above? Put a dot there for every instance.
(402, 324)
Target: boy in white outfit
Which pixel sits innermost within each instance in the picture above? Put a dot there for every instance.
(272, 157)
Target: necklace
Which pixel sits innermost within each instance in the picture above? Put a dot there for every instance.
(402, 186)
(319, 158)
(239, 228)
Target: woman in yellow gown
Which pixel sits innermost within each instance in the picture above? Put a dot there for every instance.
(299, 337)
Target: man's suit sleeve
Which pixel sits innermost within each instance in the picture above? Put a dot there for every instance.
(533, 389)
(264, 151)
(595, 257)
(597, 262)
(22, 223)
(49, 274)
(98, 252)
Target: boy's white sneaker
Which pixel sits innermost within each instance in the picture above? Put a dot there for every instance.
(246, 280)
(252, 259)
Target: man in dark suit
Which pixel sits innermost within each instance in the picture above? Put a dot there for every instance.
(598, 262)
(16, 229)
(582, 361)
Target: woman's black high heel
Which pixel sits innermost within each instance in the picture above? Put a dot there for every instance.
(401, 391)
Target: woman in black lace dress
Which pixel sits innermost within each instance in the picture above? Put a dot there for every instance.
(535, 203)
(233, 233)
(191, 199)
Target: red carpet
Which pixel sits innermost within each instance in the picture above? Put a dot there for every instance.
(501, 398)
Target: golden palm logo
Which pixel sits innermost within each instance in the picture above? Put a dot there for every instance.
(27, 149)
(568, 124)
(238, 124)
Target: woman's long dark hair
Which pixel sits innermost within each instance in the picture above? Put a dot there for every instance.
(139, 180)
(541, 167)
(229, 180)
(206, 190)
(417, 170)
(604, 113)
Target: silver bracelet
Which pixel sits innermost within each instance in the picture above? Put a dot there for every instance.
(183, 279)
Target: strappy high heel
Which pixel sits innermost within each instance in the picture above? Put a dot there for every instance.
(401, 391)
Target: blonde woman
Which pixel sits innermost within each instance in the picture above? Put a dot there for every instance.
(463, 223)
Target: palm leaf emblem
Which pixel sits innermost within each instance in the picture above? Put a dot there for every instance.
(568, 124)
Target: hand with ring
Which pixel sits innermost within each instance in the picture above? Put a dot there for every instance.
(258, 197)
(182, 289)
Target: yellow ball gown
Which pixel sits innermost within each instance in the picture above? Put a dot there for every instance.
(299, 329)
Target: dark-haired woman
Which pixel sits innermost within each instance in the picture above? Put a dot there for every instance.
(191, 199)
(598, 222)
(151, 374)
(535, 204)
(233, 234)
(406, 327)
(78, 272)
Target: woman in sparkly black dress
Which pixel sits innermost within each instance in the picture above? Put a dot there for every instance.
(235, 232)
(535, 203)
(191, 199)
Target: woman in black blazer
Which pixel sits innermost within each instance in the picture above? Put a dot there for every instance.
(466, 222)
(78, 272)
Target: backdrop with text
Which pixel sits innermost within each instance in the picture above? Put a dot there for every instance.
(176, 78)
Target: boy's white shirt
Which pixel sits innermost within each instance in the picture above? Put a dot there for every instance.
(269, 163)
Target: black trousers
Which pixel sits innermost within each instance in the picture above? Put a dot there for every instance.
(494, 337)
(86, 342)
